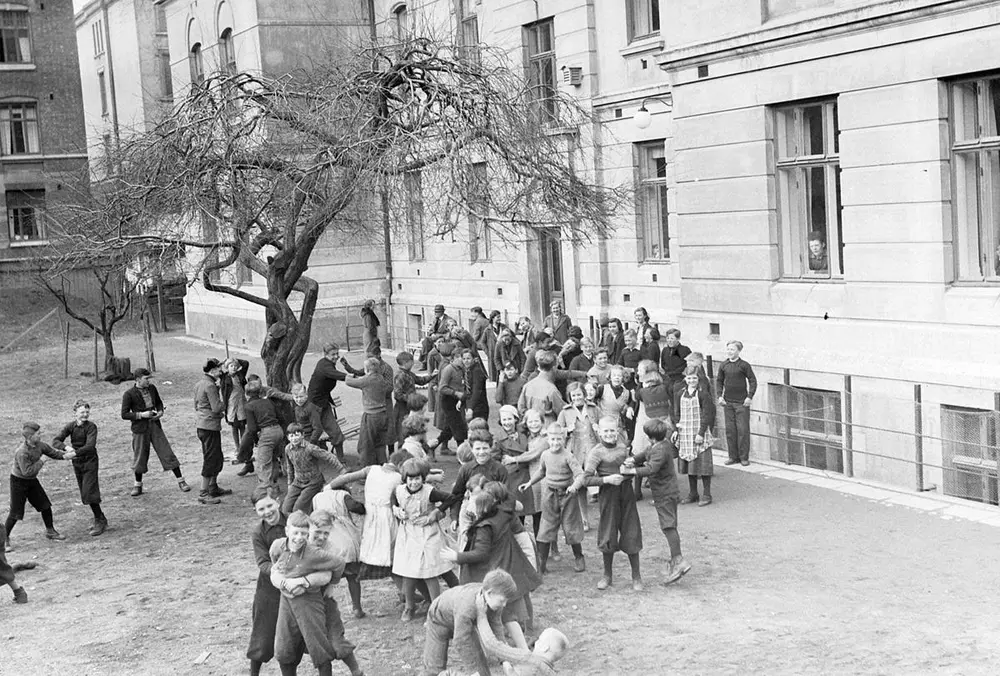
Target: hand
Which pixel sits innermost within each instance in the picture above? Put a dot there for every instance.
(698, 439)
(525, 486)
(673, 438)
(69, 455)
(399, 513)
(572, 490)
(468, 414)
(629, 413)
(629, 462)
(626, 469)
(747, 401)
(614, 479)
(424, 520)
(454, 526)
(481, 603)
(508, 460)
(722, 401)
(450, 555)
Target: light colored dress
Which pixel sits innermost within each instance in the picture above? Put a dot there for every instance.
(379, 535)
(418, 548)
(580, 424)
(345, 535)
(539, 442)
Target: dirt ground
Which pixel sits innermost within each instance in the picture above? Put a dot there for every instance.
(787, 578)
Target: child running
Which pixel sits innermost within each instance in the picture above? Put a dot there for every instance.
(345, 536)
(483, 463)
(266, 598)
(619, 528)
(82, 435)
(512, 443)
(305, 460)
(580, 418)
(29, 458)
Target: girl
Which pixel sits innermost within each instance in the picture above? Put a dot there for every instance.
(419, 539)
(345, 534)
(526, 464)
(414, 435)
(655, 401)
(465, 514)
(591, 391)
(371, 324)
(232, 385)
(511, 443)
(614, 340)
(650, 348)
(492, 337)
(580, 419)
(694, 411)
(83, 439)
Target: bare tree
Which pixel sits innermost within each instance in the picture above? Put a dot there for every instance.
(253, 172)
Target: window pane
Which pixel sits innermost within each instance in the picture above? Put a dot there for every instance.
(991, 234)
(836, 129)
(964, 103)
(839, 207)
(968, 213)
(789, 134)
(545, 37)
(654, 10)
(663, 215)
(991, 121)
(816, 199)
(813, 131)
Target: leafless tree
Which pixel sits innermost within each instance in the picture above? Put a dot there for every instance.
(252, 171)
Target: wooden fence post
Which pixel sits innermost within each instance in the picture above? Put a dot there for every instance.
(66, 350)
(159, 302)
(96, 377)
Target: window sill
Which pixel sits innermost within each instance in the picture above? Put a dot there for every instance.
(16, 66)
(21, 244)
(812, 280)
(643, 45)
(561, 131)
(656, 261)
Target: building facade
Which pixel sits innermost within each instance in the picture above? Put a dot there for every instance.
(837, 186)
(42, 139)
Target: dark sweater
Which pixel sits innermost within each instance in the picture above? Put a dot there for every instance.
(260, 414)
(133, 404)
(736, 381)
(83, 439)
(323, 380)
(672, 361)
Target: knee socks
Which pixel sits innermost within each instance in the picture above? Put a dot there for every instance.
(706, 483)
(47, 518)
(577, 551)
(9, 524)
(354, 587)
(255, 667)
(177, 472)
(609, 560)
(693, 485)
(352, 663)
(450, 579)
(536, 523)
(96, 509)
(138, 478)
(543, 556)
(674, 540)
(288, 669)
(633, 562)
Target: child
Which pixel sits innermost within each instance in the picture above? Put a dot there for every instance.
(619, 528)
(404, 383)
(509, 444)
(24, 484)
(7, 576)
(320, 527)
(649, 349)
(266, 599)
(464, 452)
(694, 417)
(413, 432)
(263, 423)
(300, 571)
(82, 435)
(345, 535)
(482, 451)
(563, 477)
(656, 400)
(525, 465)
(581, 420)
(614, 399)
(658, 464)
(308, 416)
(305, 460)
(601, 370)
(466, 515)
(453, 617)
(550, 647)
(419, 539)
(631, 355)
(509, 388)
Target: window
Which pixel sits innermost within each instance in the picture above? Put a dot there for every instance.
(15, 38)
(479, 231)
(969, 452)
(469, 31)
(227, 53)
(643, 17)
(196, 64)
(807, 427)
(539, 43)
(401, 23)
(109, 160)
(652, 222)
(19, 129)
(97, 31)
(413, 185)
(809, 208)
(975, 123)
(102, 86)
(25, 219)
(166, 76)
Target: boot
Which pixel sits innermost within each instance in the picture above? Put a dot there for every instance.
(53, 534)
(100, 525)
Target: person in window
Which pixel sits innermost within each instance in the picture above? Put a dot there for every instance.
(818, 259)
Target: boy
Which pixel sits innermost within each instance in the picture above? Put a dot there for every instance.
(266, 599)
(550, 647)
(404, 383)
(375, 433)
(264, 425)
(300, 571)
(453, 617)
(561, 476)
(307, 415)
(601, 370)
(736, 384)
(509, 388)
(484, 463)
(24, 483)
(658, 464)
(82, 435)
(320, 527)
(142, 405)
(305, 459)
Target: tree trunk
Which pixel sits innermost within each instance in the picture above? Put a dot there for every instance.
(287, 335)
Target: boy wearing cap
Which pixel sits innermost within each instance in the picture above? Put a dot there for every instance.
(142, 405)
(24, 484)
(208, 409)
(436, 329)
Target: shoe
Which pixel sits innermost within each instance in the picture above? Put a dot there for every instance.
(100, 525)
(731, 461)
(53, 534)
(604, 582)
(206, 498)
(136, 490)
(691, 498)
(744, 462)
(28, 565)
(20, 596)
(579, 564)
(705, 501)
(247, 469)
(218, 491)
(678, 569)
(407, 615)
(360, 614)
(637, 584)
(183, 485)
(555, 555)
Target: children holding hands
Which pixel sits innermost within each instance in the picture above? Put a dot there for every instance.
(29, 458)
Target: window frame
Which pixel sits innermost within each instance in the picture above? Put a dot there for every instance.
(657, 188)
(401, 28)
(791, 426)
(646, 11)
(413, 189)
(795, 222)
(545, 107)
(97, 34)
(468, 31)
(28, 122)
(973, 476)
(196, 64)
(984, 148)
(37, 212)
(15, 39)
(102, 86)
(480, 242)
(227, 52)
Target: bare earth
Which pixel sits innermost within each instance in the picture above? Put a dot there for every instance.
(787, 579)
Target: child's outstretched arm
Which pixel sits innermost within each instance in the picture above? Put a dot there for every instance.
(344, 480)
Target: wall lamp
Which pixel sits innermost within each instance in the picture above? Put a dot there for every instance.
(643, 118)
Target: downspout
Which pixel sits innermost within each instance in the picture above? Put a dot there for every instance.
(111, 74)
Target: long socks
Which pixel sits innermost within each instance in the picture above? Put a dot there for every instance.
(206, 484)
(706, 483)
(352, 663)
(536, 523)
(354, 587)
(577, 551)
(543, 556)
(47, 519)
(288, 669)
(693, 486)
(450, 579)
(325, 669)
(177, 473)
(255, 667)
(433, 588)
(609, 560)
(674, 540)
(98, 514)
(138, 478)
(9, 524)
(633, 562)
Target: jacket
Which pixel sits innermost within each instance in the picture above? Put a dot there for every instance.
(133, 404)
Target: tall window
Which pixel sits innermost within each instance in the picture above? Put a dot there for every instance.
(539, 40)
(469, 38)
(652, 223)
(102, 86)
(479, 231)
(401, 23)
(227, 52)
(809, 209)
(413, 185)
(25, 209)
(975, 123)
(166, 76)
(97, 33)
(643, 17)
(15, 38)
(196, 64)
(19, 129)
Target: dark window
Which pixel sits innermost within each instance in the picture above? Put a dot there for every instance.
(539, 39)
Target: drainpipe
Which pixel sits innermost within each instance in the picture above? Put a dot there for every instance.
(111, 73)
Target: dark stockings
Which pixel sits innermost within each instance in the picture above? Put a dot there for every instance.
(98, 513)
(674, 540)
